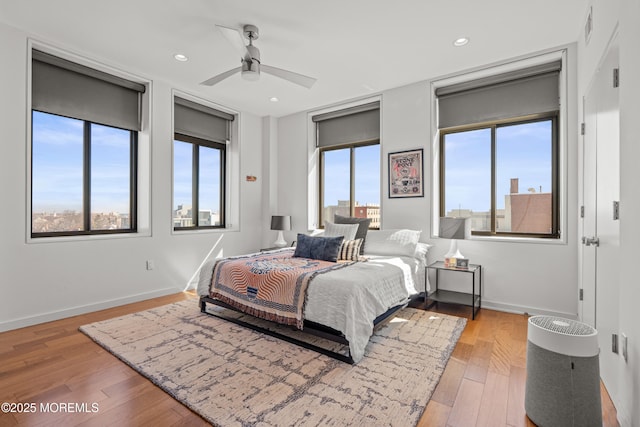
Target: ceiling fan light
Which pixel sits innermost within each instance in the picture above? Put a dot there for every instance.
(250, 70)
(250, 75)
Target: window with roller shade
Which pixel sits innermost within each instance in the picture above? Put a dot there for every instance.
(349, 153)
(199, 164)
(85, 125)
(499, 152)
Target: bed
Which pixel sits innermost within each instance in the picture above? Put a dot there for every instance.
(346, 302)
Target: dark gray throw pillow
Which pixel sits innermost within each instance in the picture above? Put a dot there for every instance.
(363, 227)
(322, 248)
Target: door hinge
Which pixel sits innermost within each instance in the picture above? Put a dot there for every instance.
(616, 210)
(582, 126)
(581, 296)
(616, 77)
(614, 343)
(581, 211)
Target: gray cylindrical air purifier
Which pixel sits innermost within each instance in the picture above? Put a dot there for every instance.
(563, 373)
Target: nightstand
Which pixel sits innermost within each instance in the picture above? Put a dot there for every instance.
(472, 299)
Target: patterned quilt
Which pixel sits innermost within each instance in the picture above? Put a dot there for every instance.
(272, 285)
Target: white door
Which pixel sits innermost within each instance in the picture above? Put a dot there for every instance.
(601, 227)
(590, 166)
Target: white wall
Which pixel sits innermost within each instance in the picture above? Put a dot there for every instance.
(623, 15)
(536, 277)
(50, 280)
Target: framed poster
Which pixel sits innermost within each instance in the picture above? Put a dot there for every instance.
(406, 174)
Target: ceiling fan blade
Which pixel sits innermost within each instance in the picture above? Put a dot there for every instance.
(221, 76)
(296, 78)
(234, 37)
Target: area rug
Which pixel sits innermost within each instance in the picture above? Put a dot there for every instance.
(234, 376)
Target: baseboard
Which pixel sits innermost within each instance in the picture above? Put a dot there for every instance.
(521, 309)
(74, 311)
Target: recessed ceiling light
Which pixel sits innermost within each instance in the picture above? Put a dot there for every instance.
(180, 57)
(461, 41)
(274, 99)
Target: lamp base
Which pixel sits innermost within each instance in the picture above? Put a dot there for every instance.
(453, 250)
(280, 242)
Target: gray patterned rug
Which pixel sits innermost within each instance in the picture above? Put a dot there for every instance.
(233, 376)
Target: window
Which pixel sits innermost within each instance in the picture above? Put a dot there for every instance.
(83, 151)
(349, 143)
(199, 159)
(198, 184)
(350, 182)
(502, 177)
(499, 153)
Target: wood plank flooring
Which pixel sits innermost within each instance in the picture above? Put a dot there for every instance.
(484, 381)
(55, 364)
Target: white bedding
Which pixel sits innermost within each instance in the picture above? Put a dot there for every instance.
(349, 299)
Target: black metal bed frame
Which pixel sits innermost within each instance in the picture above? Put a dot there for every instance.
(311, 328)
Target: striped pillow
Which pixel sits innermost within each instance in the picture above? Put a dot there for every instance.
(350, 250)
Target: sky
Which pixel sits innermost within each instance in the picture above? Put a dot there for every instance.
(209, 182)
(57, 171)
(336, 175)
(522, 151)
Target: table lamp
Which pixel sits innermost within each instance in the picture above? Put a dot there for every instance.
(280, 223)
(454, 229)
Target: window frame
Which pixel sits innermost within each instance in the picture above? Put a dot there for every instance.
(86, 184)
(554, 116)
(352, 147)
(195, 181)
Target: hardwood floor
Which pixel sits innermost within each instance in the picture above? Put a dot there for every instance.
(54, 364)
(484, 381)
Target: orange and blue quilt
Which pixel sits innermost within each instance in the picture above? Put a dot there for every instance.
(270, 285)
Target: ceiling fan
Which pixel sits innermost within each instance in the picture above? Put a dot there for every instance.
(250, 60)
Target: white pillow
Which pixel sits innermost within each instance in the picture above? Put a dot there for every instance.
(421, 251)
(334, 230)
(392, 242)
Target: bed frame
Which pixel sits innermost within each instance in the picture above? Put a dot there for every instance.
(311, 328)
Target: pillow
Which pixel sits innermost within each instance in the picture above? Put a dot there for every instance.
(363, 227)
(348, 231)
(392, 242)
(421, 252)
(350, 250)
(322, 248)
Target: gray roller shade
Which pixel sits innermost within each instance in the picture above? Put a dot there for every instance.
(68, 89)
(200, 121)
(348, 126)
(519, 93)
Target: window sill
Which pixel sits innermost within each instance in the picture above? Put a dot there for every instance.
(182, 232)
(534, 240)
(88, 237)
